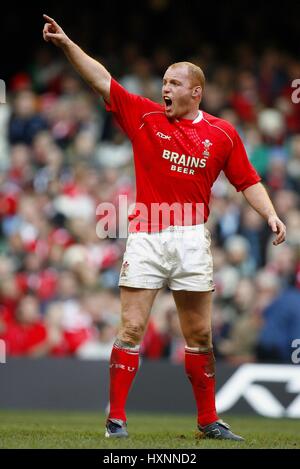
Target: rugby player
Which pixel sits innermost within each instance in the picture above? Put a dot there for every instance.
(179, 151)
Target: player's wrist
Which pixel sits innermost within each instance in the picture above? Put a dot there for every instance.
(66, 43)
(271, 216)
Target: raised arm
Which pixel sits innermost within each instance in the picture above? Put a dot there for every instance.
(90, 70)
(257, 196)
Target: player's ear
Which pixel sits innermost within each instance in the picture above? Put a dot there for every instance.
(197, 92)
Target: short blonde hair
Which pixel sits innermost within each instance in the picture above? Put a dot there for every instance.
(195, 72)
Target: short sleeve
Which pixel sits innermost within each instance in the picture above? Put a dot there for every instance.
(238, 168)
(128, 108)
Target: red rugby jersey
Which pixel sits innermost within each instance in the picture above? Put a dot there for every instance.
(177, 161)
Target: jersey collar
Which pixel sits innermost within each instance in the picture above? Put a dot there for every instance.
(195, 121)
(198, 118)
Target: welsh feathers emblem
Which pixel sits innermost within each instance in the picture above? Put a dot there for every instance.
(124, 269)
(207, 144)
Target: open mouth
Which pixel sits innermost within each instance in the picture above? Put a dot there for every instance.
(168, 103)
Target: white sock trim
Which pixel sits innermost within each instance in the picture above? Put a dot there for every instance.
(198, 349)
(123, 345)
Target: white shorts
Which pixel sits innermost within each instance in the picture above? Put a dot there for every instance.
(178, 257)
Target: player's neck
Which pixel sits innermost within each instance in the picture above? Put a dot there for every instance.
(191, 115)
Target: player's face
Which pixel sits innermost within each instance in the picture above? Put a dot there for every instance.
(177, 93)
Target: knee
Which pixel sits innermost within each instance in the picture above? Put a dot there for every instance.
(131, 333)
(200, 337)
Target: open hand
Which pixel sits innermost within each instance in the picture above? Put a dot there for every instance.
(278, 227)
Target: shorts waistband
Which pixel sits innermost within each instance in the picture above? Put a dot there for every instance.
(175, 228)
(184, 228)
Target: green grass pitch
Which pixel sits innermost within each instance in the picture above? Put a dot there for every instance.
(25, 429)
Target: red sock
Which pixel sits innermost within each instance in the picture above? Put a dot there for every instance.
(124, 363)
(200, 369)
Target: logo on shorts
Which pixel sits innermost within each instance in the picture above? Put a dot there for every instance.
(124, 269)
(207, 143)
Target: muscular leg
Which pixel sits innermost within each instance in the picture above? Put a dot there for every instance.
(136, 305)
(194, 309)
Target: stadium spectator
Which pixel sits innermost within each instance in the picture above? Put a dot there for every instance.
(26, 334)
(281, 326)
(25, 121)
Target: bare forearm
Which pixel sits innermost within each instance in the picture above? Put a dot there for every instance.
(90, 70)
(259, 199)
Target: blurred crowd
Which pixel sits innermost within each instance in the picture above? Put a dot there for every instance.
(61, 155)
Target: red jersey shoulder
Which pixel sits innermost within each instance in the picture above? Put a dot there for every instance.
(154, 108)
(222, 126)
(133, 100)
(129, 108)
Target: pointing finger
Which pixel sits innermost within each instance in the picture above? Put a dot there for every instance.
(51, 20)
